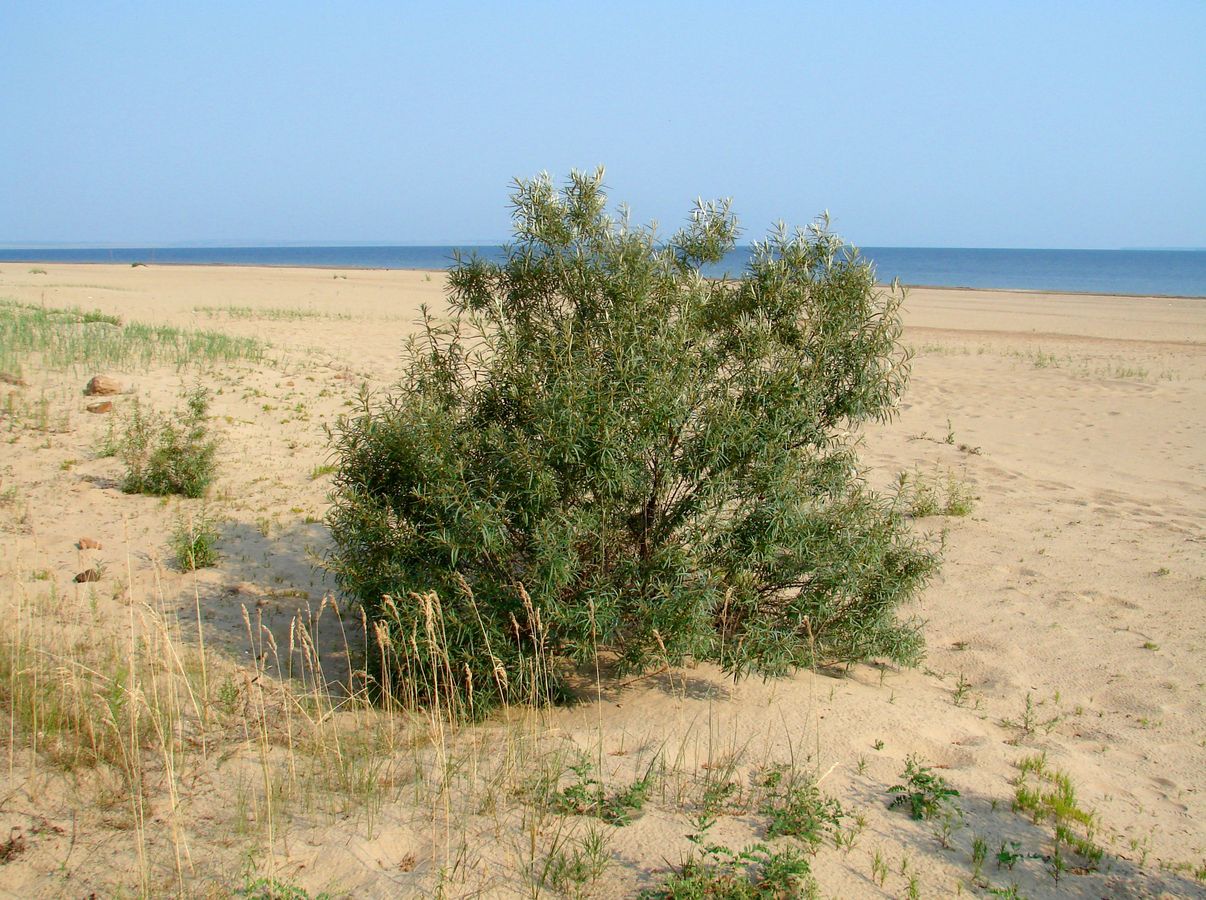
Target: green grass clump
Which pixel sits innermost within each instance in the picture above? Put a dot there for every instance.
(798, 809)
(83, 705)
(60, 338)
(572, 864)
(109, 444)
(920, 495)
(194, 541)
(960, 500)
(1048, 795)
(266, 888)
(586, 796)
(169, 455)
(716, 872)
(924, 793)
(267, 312)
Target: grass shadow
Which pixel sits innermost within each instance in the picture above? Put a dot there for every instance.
(269, 598)
(1019, 852)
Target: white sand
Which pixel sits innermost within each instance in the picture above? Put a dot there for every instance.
(1077, 581)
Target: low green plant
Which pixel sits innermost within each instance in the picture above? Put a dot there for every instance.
(720, 795)
(95, 315)
(879, 868)
(109, 443)
(587, 796)
(1010, 892)
(961, 691)
(917, 495)
(194, 541)
(1031, 720)
(924, 793)
(169, 455)
(34, 414)
(798, 809)
(1047, 795)
(267, 888)
(979, 853)
(960, 499)
(228, 695)
(845, 838)
(715, 872)
(572, 865)
(1041, 359)
(947, 821)
(1196, 870)
(1009, 854)
(942, 494)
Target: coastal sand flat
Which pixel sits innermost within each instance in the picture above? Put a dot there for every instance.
(1076, 585)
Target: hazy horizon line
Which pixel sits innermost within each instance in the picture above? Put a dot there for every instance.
(482, 242)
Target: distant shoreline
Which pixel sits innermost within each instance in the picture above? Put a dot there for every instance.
(1007, 290)
(322, 267)
(1127, 273)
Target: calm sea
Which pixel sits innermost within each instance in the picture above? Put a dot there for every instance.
(1178, 273)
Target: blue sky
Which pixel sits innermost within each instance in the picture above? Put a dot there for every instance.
(983, 124)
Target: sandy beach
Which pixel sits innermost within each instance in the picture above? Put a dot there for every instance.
(1067, 624)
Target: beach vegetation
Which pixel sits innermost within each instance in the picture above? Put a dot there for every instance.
(798, 809)
(193, 541)
(920, 495)
(604, 453)
(1047, 794)
(271, 313)
(879, 868)
(1009, 854)
(1010, 892)
(108, 444)
(571, 864)
(979, 853)
(924, 793)
(35, 413)
(713, 871)
(961, 691)
(169, 454)
(586, 795)
(1031, 720)
(268, 888)
(66, 337)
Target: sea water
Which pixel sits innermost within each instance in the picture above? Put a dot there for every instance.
(1177, 273)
